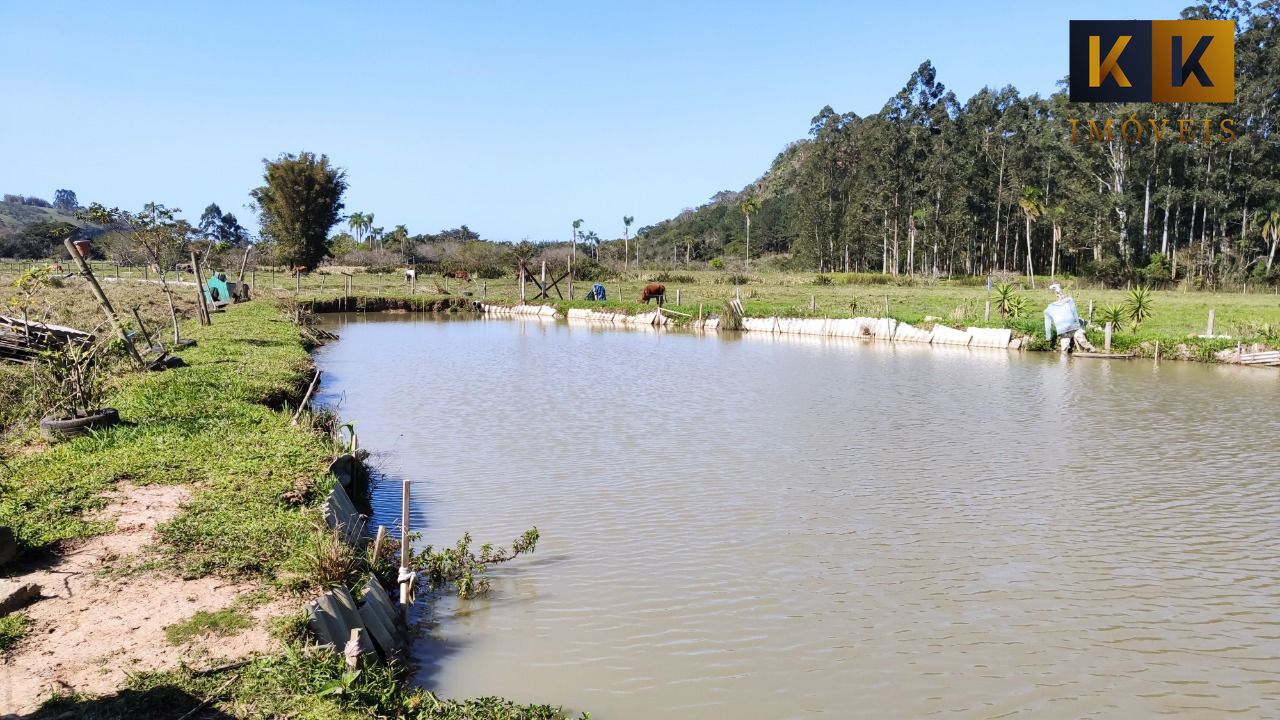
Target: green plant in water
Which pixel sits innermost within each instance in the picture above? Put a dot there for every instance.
(460, 567)
(1139, 305)
(1113, 314)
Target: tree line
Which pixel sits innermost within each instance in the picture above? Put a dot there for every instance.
(1006, 182)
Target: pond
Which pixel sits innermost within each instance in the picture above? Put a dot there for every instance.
(775, 527)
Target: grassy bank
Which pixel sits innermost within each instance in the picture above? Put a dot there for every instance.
(1179, 315)
(219, 426)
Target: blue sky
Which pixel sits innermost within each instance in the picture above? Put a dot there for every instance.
(513, 117)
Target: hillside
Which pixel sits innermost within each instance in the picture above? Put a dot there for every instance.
(15, 217)
(934, 184)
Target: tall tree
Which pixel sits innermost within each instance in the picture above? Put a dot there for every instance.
(750, 206)
(626, 240)
(211, 222)
(1032, 204)
(65, 200)
(355, 223)
(573, 253)
(300, 202)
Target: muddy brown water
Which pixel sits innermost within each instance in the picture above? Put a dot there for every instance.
(738, 527)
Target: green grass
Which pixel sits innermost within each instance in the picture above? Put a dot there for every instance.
(207, 425)
(220, 623)
(1177, 315)
(13, 627)
(294, 684)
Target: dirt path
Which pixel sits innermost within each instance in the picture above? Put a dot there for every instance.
(89, 630)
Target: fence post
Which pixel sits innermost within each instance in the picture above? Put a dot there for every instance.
(813, 303)
(677, 296)
(986, 315)
(1106, 344)
(1209, 331)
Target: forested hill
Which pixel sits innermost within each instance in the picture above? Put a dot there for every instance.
(31, 227)
(934, 185)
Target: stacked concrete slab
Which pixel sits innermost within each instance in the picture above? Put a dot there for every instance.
(943, 335)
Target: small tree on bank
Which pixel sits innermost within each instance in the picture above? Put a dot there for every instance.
(156, 234)
(300, 203)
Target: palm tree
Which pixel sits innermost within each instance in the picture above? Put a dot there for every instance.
(1270, 222)
(573, 254)
(626, 240)
(356, 224)
(400, 235)
(367, 227)
(1032, 204)
(749, 207)
(591, 238)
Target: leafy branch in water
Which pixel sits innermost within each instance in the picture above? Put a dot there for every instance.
(460, 566)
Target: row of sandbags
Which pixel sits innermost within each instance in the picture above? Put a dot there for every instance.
(859, 327)
(885, 329)
(521, 310)
(616, 318)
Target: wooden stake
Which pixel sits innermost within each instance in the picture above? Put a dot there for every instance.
(243, 262)
(145, 335)
(986, 315)
(87, 272)
(677, 296)
(378, 540)
(484, 290)
(1209, 331)
(1106, 345)
(200, 306)
(306, 398)
(813, 303)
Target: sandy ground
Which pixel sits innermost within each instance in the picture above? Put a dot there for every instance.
(89, 630)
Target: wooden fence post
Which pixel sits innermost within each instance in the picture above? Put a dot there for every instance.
(813, 303)
(986, 315)
(1106, 345)
(102, 300)
(1209, 331)
(677, 296)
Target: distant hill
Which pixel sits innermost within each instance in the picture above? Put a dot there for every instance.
(16, 217)
(34, 232)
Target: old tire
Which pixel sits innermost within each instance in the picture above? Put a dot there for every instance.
(52, 428)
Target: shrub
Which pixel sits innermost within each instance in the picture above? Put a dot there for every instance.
(1139, 305)
(1113, 314)
(669, 277)
(822, 279)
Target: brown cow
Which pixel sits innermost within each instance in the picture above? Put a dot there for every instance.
(296, 270)
(457, 275)
(657, 291)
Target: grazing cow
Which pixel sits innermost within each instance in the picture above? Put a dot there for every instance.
(457, 275)
(296, 270)
(657, 291)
